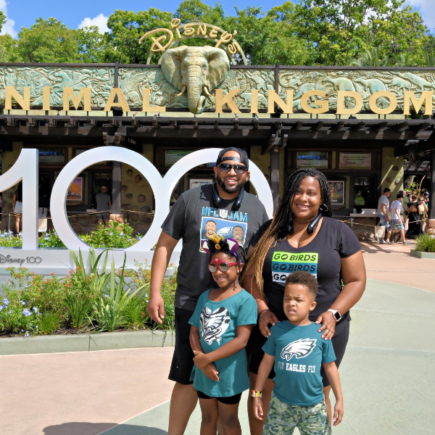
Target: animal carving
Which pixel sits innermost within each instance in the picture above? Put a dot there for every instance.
(214, 324)
(195, 70)
(299, 348)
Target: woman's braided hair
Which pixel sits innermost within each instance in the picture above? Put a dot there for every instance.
(280, 221)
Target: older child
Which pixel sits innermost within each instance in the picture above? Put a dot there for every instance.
(297, 350)
(221, 326)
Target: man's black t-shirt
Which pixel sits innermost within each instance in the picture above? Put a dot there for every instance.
(321, 257)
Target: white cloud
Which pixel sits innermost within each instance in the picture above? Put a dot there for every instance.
(9, 26)
(100, 21)
(427, 11)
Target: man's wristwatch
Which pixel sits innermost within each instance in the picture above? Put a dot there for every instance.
(336, 314)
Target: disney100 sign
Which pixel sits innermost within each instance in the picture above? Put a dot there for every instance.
(26, 169)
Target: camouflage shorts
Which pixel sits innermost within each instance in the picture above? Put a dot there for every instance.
(282, 419)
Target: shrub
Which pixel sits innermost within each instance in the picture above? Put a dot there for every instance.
(115, 236)
(425, 243)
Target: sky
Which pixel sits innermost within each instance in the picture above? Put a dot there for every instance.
(81, 13)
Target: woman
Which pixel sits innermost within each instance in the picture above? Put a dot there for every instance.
(302, 236)
(414, 226)
(17, 206)
(422, 211)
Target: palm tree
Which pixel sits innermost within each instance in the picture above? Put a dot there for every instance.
(405, 59)
(370, 57)
(426, 58)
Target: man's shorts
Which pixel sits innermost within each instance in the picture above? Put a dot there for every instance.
(257, 340)
(395, 224)
(283, 419)
(383, 221)
(182, 361)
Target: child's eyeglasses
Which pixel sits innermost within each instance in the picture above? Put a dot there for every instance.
(223, 266)
(238, 169)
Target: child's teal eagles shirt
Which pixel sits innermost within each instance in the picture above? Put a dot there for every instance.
(217, 323)
(299, 353)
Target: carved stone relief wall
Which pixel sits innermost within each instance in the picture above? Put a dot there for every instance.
(100, 79)
(133, 80)
(365, 82)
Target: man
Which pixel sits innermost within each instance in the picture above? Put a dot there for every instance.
(210, 229)
(359, 202)
(238, 234)
(383, 210)
(396, 219)
(227, 203)
(103, 205)
(405, 203)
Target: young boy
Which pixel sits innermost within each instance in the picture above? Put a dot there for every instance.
(296, 350)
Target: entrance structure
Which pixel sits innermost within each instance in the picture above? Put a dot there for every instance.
(355, 124)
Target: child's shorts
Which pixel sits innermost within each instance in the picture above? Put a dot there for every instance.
(282, 419)
(233, 400)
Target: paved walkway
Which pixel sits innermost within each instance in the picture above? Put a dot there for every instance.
(387, 373)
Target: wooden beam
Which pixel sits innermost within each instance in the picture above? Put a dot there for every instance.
(216, 125)
(195, 125)
(31, 122)
(317, 127)
(420, 127)
(379, 127)
(360, 126)
(155, 123)
(401, 126)
(236, 122)
(339, 126)
(174, 124)
(255, 122)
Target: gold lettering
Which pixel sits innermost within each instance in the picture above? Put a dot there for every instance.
(84, 93)
(341, 107)
(122, 102)
(273, 97)
(426, 99)
(324, 104)
(227, 99)
(374, 99)
(213, 33)
(146, 103)
(202, 28)
(189, 30)
(225, 38)
(254, 101)
(24, 101)
(46, 98)
(178, 32)
(175, 22)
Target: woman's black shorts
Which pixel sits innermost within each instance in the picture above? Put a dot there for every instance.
(257, 340)
(233, 400)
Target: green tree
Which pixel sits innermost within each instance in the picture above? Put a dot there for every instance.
(371, 57)
(93, 45)
(343, 29)
(48, 41)
(127, 28)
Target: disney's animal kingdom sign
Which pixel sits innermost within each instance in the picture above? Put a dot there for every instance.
(203, 79)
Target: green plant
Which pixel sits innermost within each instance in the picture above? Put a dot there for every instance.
(136, 313)
(8, 240)
(50, 240)
(425, 243)
(48, 324)
(114, 236)
(109, 308)
(79, 309)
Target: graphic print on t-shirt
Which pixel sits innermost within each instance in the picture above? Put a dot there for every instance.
(285, 263)
(214, 324)
(229, 224)
(299, 348)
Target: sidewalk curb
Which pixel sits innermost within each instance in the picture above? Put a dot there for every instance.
(420, 254)
(86, 342)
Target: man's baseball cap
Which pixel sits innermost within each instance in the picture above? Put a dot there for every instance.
(400, 194)
(243, 156)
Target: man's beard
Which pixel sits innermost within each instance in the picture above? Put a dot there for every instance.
(227, 189)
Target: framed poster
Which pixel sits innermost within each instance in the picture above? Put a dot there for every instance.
(358, 161)
(75, 190)
(312, 159)
(52, 156)
(196, 182)
(337, 192)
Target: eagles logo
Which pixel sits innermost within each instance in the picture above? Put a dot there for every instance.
(299, 348)
(214, 324)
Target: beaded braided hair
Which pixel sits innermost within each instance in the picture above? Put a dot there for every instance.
(280, 221)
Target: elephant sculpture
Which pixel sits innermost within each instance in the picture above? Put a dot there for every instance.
(195, 70)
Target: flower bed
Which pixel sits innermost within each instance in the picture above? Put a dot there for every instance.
(115, 236)
(425, 243)
(82, 302)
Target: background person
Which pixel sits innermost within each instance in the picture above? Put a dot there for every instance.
(422, 211)
(17, 206)
(405, 203)
(225, 198)
(383, 210)
(302, 236)
(396, 222)
(103, 204)
(414, 226)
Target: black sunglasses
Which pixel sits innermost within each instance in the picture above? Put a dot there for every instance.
(238, 169)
